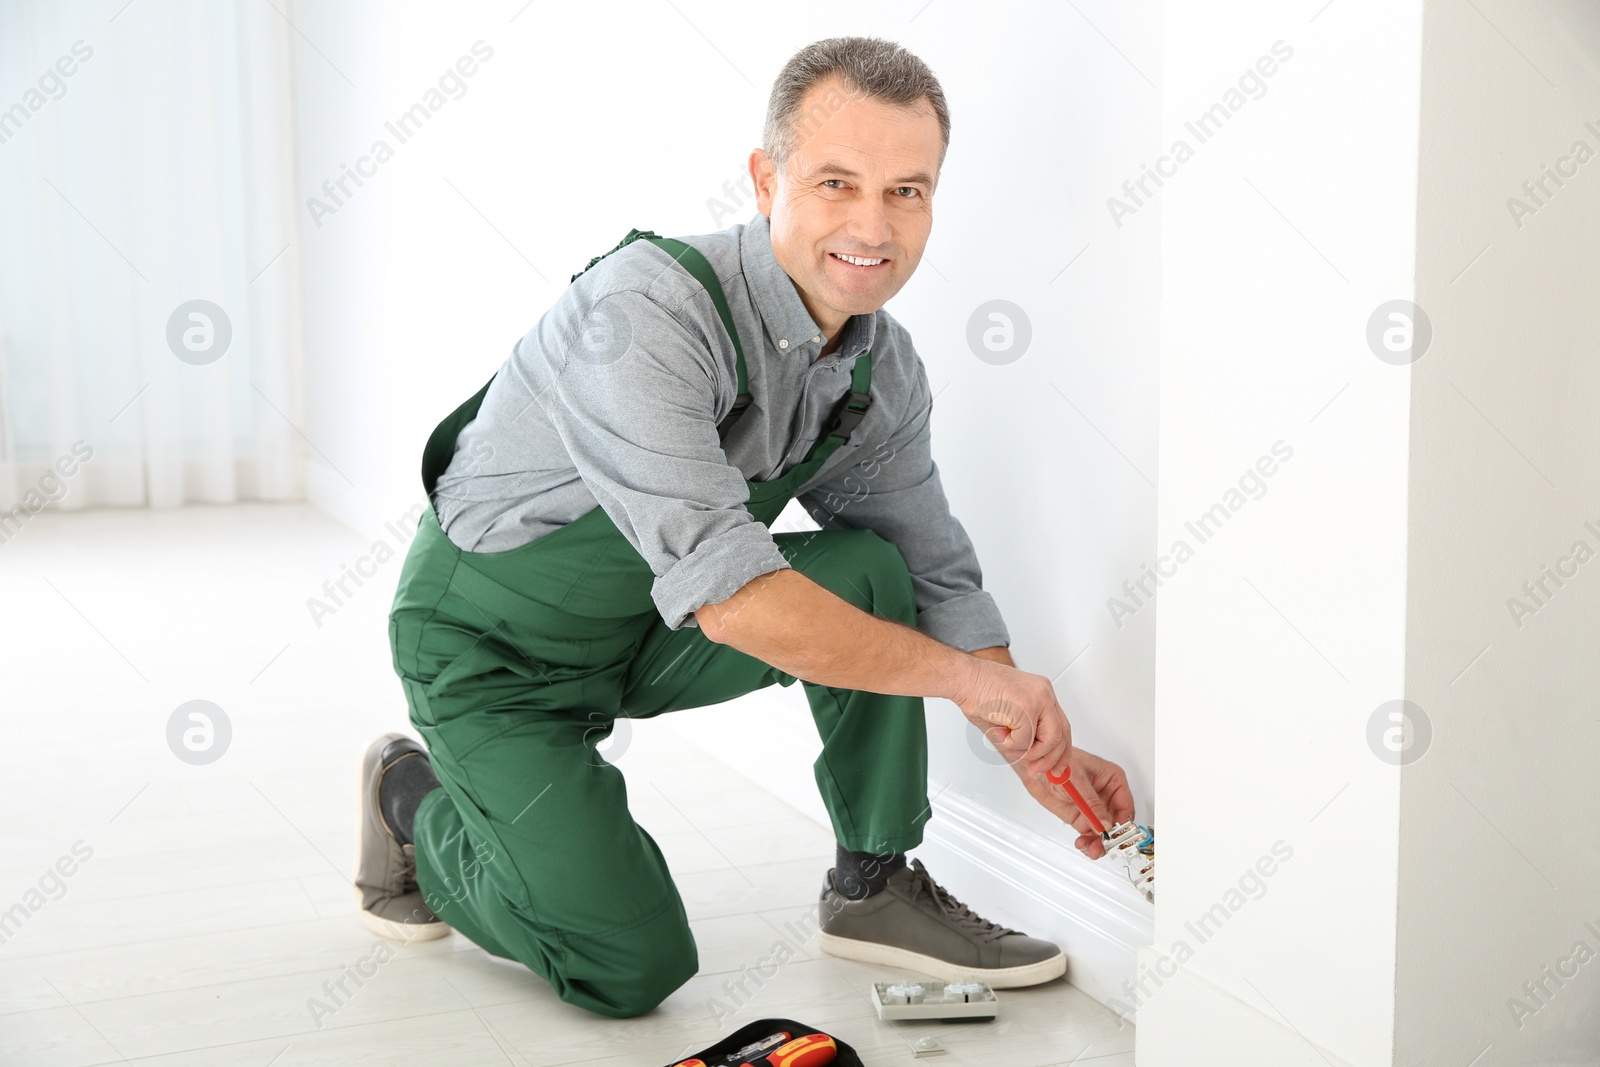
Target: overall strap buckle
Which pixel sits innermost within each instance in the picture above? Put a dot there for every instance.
(847, 414)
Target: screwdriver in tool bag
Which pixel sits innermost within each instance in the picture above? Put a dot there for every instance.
(755, 1048)
(809, 1050)
(735, 1059)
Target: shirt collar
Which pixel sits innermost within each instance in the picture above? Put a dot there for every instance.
(780, 308)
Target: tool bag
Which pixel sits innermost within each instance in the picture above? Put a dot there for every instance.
(717, 1055)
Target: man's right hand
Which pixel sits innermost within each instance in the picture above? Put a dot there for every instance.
(1019, 714)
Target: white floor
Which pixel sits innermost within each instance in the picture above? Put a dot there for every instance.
(215, 901)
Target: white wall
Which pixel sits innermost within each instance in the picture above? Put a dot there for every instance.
(586, 123)
(1505, 474)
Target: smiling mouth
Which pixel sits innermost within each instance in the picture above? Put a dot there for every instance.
(859, 262)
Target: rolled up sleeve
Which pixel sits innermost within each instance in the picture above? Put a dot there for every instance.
(893, 489)
(635, 403)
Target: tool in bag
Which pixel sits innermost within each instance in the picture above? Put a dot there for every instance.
(775, 1043)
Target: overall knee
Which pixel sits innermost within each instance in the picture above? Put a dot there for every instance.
(643, 975)
(886, 576)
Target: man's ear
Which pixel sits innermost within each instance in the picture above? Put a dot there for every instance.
(764, 178)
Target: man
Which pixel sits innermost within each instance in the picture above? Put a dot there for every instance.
(599, 545)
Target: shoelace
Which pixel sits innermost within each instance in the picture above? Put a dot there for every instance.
(408, 868)
(959, 913)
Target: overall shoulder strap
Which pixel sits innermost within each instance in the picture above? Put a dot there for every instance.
(847, 413)
(441, 446)
(691, 259)
(852, 407)
(442, 442)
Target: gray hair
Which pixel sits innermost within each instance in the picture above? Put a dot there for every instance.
(869, 66)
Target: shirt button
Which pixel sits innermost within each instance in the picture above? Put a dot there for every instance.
(818, 337)
(783, 342)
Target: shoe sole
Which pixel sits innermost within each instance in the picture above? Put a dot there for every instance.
(850, 948)
(393, 931)
(385, 928)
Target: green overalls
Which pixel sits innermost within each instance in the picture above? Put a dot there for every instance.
(515, 666)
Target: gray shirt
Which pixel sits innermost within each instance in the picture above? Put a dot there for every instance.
(614, 399)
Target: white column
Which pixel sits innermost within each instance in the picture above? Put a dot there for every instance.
(1289, 216)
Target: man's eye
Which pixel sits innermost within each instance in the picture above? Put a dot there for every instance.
(829, 181)
(909, 189)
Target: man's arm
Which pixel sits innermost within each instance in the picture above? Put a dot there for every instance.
(785, 619)
(788, 620)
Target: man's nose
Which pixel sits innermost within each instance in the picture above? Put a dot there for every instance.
(869, 224)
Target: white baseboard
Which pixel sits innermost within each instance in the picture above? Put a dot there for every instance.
(1042, 886)
(1190, 1022)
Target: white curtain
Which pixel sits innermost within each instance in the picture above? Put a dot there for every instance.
(145, 164)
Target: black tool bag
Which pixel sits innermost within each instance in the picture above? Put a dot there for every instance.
(716, 1055)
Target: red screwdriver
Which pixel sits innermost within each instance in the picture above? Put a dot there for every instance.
(1065, 782)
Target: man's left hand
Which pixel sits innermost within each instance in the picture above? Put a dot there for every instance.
(1103, 785)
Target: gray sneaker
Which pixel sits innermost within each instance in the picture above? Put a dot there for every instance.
(914, 924)
(386, 871)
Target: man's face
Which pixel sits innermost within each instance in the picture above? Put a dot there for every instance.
(859, 182)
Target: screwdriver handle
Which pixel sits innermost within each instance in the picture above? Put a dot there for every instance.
(1065, 782)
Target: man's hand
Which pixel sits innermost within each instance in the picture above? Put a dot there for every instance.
(1017, 713)
(1103, 785)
